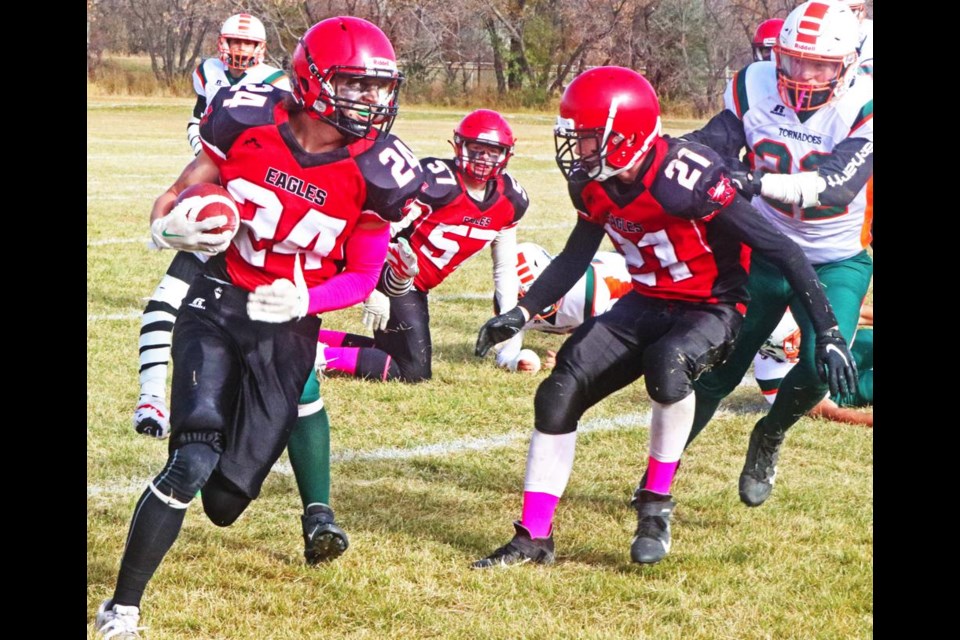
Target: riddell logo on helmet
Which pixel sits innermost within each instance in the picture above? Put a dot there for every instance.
(380, 63)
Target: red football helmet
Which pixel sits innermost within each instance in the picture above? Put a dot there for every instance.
(609, 119)
(242, 26)
(490, 129)
(765, 38)
(859, 9)
(336, 64)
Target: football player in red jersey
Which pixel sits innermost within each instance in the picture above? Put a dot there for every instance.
(317, 177)
(469, 202)
(670, 209)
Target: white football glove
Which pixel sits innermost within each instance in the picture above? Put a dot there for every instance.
(402, 259)
(376, 311)
(802, 188)
(193, 135)
(281, 300)
(175, 231)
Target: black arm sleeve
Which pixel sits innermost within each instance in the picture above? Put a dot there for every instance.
(745, 223)
(723, 133)
(568, 267)
(846, 170)
(200, 107)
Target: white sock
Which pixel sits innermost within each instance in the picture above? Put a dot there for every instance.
(670, 427)
(549, 462)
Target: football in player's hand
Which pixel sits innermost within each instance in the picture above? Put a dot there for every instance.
(214, 200)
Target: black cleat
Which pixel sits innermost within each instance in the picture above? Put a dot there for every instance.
(520, 550)
(760, 467)
(651, 542)
(323, 540)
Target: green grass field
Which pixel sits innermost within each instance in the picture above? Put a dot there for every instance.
(800, 566)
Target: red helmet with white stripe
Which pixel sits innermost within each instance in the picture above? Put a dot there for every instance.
(765, 37)
(609, 120)
(816, 54)
(859, 9)
(245, 27)
(345, 73)
(487, 128)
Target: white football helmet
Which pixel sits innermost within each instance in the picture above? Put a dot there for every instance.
(816, 54)
(783, 345)
(242, 26)
(532, 259)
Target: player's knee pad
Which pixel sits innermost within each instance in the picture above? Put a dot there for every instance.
(198, 415)
(222, 502)
(667, 387)
(668, 373)
(559, 403)
(670, 370)
(187, 469)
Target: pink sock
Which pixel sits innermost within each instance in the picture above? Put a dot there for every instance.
(660, 475)
(538, 511)
(331, 338)
(343, 359)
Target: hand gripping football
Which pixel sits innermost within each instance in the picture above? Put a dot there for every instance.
(213, 200)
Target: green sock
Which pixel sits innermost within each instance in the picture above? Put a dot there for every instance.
(309, 451)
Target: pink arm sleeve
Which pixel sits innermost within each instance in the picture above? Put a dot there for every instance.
(365, 252)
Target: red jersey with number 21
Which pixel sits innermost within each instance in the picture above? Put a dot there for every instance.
(294, 204)
(659, 224)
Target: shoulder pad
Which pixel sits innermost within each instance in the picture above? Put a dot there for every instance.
(515, 193)
(441, 186)
(392, 174)
(689, 181)
(235, 110)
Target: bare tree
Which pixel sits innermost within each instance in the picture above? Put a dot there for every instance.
(172, 33)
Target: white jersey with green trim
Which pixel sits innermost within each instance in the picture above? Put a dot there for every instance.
(590, 296)
(769, 373)
(784, 144)
(606, 281)
(211, 75)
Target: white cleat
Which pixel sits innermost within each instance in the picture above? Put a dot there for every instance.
(118, 622)
(151, 417)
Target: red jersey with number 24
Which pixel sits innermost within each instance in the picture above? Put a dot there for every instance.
(296, 205)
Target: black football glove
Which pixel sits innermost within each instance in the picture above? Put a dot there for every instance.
(496, 330)
(746, 182)
(835, 363)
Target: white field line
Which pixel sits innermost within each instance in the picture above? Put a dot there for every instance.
(442, 449)
(106, 241)
(129, 486)
(127, 315)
